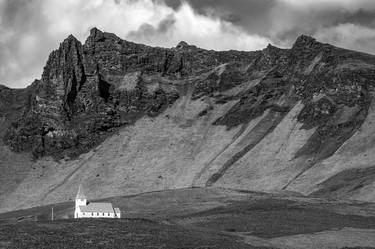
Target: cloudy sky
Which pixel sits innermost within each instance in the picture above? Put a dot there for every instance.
(31, 29)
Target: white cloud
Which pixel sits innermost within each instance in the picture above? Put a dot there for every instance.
(207, 32)
(57, 19)
(128, 16)
(79, 16)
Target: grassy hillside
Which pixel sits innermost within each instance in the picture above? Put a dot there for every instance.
(198, 218)
(125, 233)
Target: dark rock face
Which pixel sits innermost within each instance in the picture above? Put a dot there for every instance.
(80, 99)
(335, 94)
(255, 101)
(88, 91)
(13, 104)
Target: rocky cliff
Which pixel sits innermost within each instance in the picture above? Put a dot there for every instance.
(122, 118)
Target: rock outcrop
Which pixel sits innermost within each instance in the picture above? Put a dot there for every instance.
(295, 119)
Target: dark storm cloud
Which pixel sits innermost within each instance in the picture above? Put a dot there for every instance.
(344, 23)
(30, 29)
(16, 12)
(147, 32)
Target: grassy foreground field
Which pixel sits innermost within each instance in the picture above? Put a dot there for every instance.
(126, 233)
(199, 218)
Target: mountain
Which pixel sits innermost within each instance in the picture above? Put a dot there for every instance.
(124, 118)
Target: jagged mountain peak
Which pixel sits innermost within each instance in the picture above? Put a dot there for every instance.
(95, 31)
(71, 39)
(182, 45)
(305, 41)
(101, 68)
(270, 46)
(62, 61)
(270, 49)
(97, 35)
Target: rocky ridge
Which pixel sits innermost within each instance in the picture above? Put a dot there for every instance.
(308, 101)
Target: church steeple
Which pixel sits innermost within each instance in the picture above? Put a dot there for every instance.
(80, 194)
(81, 200)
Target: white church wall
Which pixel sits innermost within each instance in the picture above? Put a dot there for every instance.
(81, 202)
(94, 215)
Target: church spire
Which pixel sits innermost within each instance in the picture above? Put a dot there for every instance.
(80, 194)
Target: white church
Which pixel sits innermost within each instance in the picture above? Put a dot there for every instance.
(86, 209)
